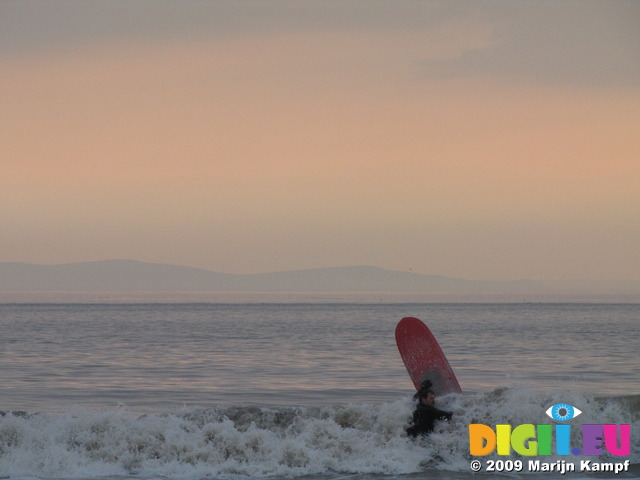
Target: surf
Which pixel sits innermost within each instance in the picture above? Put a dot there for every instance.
(286, 442)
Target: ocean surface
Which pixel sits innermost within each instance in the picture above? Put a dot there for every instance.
(304, 391)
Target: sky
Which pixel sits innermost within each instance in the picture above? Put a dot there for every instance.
(476, 139)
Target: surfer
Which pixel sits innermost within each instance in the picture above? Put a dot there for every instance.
(426, 414)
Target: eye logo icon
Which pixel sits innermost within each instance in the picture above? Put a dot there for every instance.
(563, 412)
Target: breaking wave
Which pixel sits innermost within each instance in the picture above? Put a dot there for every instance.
(229, 442)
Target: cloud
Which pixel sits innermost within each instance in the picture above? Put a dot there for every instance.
(589, 42)
(28, 25)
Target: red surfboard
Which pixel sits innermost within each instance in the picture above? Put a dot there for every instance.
(424, 358)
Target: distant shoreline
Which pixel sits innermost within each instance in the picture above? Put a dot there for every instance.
(242, 297)
(130, 281)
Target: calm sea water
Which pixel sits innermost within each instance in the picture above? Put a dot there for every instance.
(290, 390)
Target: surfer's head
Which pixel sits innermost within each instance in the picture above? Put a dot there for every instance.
(425, 395)
(429, 398)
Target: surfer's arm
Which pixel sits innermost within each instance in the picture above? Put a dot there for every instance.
(445, 415)
(441, 414)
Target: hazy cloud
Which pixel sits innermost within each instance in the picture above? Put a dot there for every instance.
(29, 25)
(586, 42)
(577, 41)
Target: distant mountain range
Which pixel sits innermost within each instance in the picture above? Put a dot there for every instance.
(130, 275)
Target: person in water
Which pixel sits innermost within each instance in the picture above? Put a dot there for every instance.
(426, 414)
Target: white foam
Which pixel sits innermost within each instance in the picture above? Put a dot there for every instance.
(230, 442)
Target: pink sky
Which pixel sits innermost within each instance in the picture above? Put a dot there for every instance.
(431, 147)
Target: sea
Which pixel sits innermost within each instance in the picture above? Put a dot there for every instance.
(122, 389)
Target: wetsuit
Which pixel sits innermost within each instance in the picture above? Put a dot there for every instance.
(424, 419)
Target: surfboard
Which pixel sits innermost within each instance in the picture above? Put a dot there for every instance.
(424, 358)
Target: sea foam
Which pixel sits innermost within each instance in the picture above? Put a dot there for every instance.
(245, 441)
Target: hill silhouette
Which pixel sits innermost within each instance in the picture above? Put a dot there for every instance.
(131, 275)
